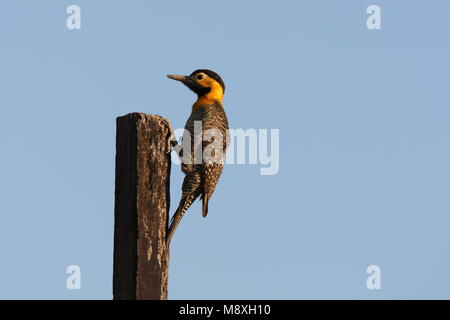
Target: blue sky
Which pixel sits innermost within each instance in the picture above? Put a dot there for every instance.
(364, 144)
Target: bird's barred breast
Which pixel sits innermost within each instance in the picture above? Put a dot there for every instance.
(211, 117)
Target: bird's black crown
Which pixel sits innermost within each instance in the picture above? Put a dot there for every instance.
(211, 74)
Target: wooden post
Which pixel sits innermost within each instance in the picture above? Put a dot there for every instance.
(142, 199)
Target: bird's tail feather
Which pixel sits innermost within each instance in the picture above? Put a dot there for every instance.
(174, 222)
(176, 218)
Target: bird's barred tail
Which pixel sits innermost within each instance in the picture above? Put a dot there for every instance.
(176, 218)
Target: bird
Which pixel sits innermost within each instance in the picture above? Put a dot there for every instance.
(201, 175)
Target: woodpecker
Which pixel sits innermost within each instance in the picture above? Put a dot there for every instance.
(201, 175)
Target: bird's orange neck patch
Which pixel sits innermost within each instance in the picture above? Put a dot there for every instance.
(214, 95)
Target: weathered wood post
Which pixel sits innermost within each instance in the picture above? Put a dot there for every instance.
(142, 199)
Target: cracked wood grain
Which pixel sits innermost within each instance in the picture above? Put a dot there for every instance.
(141, 210)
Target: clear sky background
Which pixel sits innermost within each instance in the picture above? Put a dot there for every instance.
(364, 155)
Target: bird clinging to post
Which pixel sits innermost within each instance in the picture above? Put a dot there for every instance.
(202, 171)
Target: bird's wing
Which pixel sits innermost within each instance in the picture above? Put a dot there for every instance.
(213, 169)
(211, 175)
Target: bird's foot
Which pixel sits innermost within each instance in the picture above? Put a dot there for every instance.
(171, 141)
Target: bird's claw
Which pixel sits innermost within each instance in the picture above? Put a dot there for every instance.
(171, 141)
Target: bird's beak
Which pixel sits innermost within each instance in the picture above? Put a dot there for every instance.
(190, 83)
(177, 77)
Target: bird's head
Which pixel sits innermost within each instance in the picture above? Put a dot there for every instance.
(205, 83)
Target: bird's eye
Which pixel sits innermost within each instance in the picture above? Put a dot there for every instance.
(200, 77)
